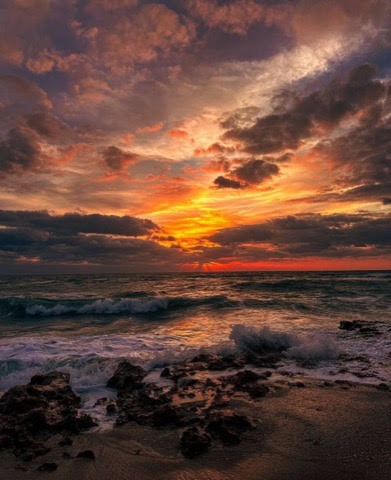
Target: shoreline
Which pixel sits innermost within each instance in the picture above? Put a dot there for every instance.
(303, 433)
(211, 416)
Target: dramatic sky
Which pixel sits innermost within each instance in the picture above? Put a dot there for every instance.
(142, 135)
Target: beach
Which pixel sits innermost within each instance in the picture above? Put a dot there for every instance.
(252, 375)
(316, 432)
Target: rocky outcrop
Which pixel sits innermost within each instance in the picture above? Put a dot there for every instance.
(127, 377)
(45, 406)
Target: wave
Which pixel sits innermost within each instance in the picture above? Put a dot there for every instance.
(108, 306)
(318, 347)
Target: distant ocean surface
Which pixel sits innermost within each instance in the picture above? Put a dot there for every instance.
(84, 324)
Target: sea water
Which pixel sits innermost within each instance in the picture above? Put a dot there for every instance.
(84, 324)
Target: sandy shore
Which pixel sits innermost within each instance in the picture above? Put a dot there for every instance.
(315, 432)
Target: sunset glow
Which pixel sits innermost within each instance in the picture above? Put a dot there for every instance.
(199, 135)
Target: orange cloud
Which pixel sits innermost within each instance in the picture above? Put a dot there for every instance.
(176, 133)
(150, 129)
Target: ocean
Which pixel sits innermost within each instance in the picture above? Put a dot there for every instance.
(84, 324)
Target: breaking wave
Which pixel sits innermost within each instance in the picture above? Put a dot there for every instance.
(109, 306)
(317, 347)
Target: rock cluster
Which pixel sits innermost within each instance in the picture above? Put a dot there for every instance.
(31, 413)
(197, 406)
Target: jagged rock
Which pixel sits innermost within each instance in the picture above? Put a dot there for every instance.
(111, 409)
(165, 415)
(242, 379)
(45, 405)
(47, 467)
(66, 442)
(222, 363)
(166, 373)
(257, 390)
(227, 426)
(383, 387)
(127, 377)
(89, 454)
(194, 442)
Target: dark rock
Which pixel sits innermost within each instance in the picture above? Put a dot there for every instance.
(347, 325)
(66, 455)
(257, 390)
(194, 442)
(100, 401)
(66, 442)
(47, 467)
(89, 454)
(222, 363)
(127, 377)
(165, 415)
(243, 377)
(383, 387)
(111, 409)
(46, 405)
(166, 373)
(202, 358)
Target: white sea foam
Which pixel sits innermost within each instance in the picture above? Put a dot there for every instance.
(294, 346)
(102, 306)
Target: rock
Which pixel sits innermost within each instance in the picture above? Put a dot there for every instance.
(227, 426)
(127, 377)
(100, 401)
(45, 405)
(66, 455)
(347, 325)
(166, 373)
(383, 387)
(165, 415)
(194, 442)
(363, 327)
(222, 363)
(66, 442)
(111, 409)
(202, 358)
(47, 467)
(89, 454)
(243, 377)
(258, 390)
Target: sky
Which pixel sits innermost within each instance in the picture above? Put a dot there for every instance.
(194, 135)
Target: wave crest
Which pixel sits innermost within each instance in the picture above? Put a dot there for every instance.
(317, 347)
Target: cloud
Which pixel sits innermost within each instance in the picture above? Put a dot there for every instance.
(235, 16)
(223, 182)
(335, 235)
(48, 126)
(117, 159)
(177, 133)
(20, 151)
(73, 223)
(309, 114)
(249, 173)
(19, 92)
(73, 238)
(151, 128)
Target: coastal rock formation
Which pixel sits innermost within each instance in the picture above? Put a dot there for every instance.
(45, 406)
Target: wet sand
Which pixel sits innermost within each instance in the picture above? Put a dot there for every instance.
(313, 433)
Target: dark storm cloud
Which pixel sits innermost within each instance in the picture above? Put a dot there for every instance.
(73, 223)
(323, 108)
(76, 238)
(364, 155)
(20, 151)
(48, 126)
(223, 182)
(117, 159)
(94, 249)
(255, 171)
(248, 173)
(314, 235)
